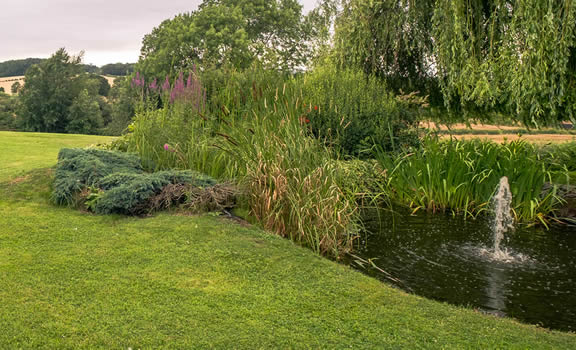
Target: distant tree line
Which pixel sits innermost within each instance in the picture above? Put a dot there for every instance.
(19, 67)
(117, 69)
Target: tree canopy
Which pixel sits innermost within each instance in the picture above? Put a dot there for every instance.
(51, 88)
(514, 56)
(228, 33)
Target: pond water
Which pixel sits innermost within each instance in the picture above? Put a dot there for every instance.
(449, 259)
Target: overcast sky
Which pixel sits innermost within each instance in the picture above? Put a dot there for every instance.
(108, 31)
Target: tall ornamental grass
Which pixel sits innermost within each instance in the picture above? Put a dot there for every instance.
(255, 132)
(461, 176)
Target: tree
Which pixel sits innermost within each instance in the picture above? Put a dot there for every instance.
(15, 87)
(511, 56)
(103, 87)
(7, 112)
(50, 89)
(2, 90)
(228, 33)
(84, 115)
(122, 106)
(518, 56)
(390, 38)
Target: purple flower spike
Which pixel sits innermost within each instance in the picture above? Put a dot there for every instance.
(166, 85)
(138, 81)
(189, 81)
(166, 146)
(153, 85)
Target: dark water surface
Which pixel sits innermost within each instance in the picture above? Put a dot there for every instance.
(449, 259)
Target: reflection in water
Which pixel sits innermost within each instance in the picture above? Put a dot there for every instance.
(496, 281)
(446, 258)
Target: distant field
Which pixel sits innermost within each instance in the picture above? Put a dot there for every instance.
(502, 133)
(7, 82)
(534, 138)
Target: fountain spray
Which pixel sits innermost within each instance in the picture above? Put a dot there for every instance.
(503, 221)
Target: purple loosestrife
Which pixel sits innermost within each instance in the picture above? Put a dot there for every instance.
(153, 85)
(138, 81)
(166, 84)
(179, 88)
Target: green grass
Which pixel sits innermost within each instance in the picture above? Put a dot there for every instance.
(21, 152)
(74, 280)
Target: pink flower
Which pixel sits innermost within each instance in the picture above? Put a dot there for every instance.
(166, 85)
(153, 85)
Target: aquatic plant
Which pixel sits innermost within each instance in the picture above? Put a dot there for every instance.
(460, 176)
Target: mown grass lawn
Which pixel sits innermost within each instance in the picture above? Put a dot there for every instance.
(74, 280)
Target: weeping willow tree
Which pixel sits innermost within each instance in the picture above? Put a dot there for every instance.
(512, 56)
(388, 38)
(515, 56)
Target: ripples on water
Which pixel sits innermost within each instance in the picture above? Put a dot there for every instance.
(450, 259)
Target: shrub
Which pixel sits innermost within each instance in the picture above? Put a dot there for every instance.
(355, 111)
(8, 119)
(130, 194)
(80, 168)
(110, 182)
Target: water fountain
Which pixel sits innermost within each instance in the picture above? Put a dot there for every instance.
(503, 221)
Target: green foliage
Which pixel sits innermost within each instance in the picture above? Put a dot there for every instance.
(84, 114)
(462, 176)
(49, 92)
(130, 193)
(228, 33)
(517, 56)
(253, 134)
(512, 56)
(117, 69)
(91, 69)
(15, 88)
(388, 38)
(8, 106)
(561, 160)
(102, 84)
(354, 112)
(58, 97)
(111, 182)
(123, 101)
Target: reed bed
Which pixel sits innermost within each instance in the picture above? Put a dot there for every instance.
(256, 135)
(461, 177)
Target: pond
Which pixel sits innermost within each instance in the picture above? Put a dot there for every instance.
(448, 259)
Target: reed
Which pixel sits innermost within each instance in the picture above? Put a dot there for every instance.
(461, 176)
